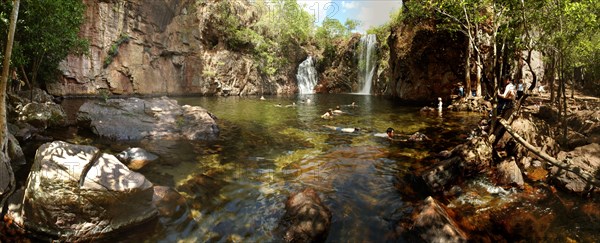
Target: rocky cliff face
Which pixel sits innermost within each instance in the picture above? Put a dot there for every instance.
(339, 74)
(164, 47)
(424, 62)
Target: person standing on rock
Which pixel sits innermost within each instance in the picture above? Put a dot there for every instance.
(505, 99)
(520, 89)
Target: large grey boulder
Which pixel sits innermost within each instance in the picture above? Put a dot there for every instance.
(43, 115)
(77, 193)
(158, 118)
(585, 161)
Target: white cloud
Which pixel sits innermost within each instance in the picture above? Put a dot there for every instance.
(369, 13)
(375, 13)
(320, 8)
(348, 5)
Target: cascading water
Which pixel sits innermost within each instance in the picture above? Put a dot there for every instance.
(366, 63)
(307, 76)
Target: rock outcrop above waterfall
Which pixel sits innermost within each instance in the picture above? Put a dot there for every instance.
(339, 74)
(77, 193)
(424, 62)
(167, 47)
(158, 118)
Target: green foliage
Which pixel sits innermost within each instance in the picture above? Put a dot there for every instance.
(113, 51)
(47, 31)
(105, 94)
(382, 32)
(333, 31)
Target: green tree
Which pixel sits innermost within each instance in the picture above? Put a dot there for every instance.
(283, 25)
(568, 35)
(351, 25)
(7, 178)
(48, 32)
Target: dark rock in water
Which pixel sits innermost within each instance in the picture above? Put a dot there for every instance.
(306, 218)
(171, 205)
(432, 223)
(468, 159)
(440, 176)
(136, 158)
(418, 137)
(202, 189)
(77, 193)
(585, 161)
(509, 173)
(136, 119)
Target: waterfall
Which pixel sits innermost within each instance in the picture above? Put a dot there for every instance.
(366, 62)
(307, 76)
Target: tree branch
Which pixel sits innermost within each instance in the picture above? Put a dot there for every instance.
(562, 165)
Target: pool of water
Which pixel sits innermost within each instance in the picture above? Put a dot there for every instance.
(235, 187)
(268, 149)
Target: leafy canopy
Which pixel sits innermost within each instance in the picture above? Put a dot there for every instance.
(47, 31)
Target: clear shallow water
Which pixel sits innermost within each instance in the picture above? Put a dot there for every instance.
(236, 187)
(267, 152)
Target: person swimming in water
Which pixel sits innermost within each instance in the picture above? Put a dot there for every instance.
(392, 136)
(389, 134)
(337, 111)
(328, 114)
(343, 129)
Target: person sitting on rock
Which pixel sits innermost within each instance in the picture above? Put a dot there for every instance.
(343, 129)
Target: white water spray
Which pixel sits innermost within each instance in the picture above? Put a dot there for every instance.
(367, 63)
(307, 76)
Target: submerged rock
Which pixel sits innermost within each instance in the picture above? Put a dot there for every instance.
(432, 223)
(467, 160)
(136, 158)
(136, 119)
(509, 173)
(77, 193)
(306, 218)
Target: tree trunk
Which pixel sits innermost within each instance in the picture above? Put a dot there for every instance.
(552, 76)
(478, 75)
(564, 105)
(7, 182)
(468, 68)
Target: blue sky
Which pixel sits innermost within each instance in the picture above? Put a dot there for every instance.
(369, 13)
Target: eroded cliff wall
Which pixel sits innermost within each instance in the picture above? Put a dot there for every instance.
(425, 62)
(165, 47)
